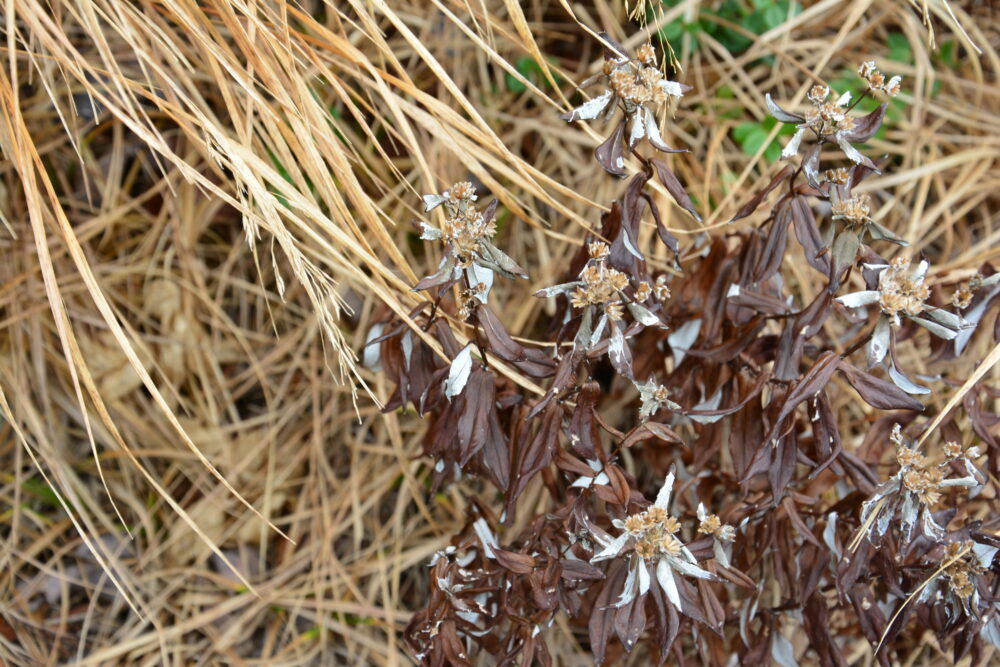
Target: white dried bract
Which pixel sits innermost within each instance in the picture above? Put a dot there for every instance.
(649, 542)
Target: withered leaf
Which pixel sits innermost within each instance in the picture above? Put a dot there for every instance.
(512, 561)
(877, 392)
(601, 618)
(759, 196)
(866, 126)
(813, 382)
(610, 153)
(674, 187)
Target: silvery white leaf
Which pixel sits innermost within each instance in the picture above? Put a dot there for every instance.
(780, 113)
(682, 338)
(710, 403)
(904, 382)
(595, 465)
(429, 233)
(830, 534)
(791, 149)
(612, 549)
(990, 280)
(859, 299)
(431, 202)
(480, 275)
(616, 345)
(920, 271)
(719, 550)
(734, 290)
(458, 374)
(878, 346)
(935, 328)
(637, 129)
(643, 578)
(700, 512)
(406, 342)
(590, 109)
(601, 479)
(665, 576)
(653, 131)
(556, 290)
(628, 594)
(627, 242)
(596, 336)
(984, 554)
(782, 652)
(850, 151)
(486, 537)
(991, 630)
(844, 99)
(663, 497)
(947, 318)
(643, 315)
(691, 570)
(967, 481)
(975, 315)
(878, 268)
(372, 356)
(908, 515)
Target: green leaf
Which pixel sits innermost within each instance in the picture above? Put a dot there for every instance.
(900, 50)
(754, 140)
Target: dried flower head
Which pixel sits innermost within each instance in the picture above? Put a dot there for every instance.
(855, 210)
(952, 450)
(467, 233)
(901, 293)
(876, 79)
(639, 88)
(913, 490)
(838, 176)
(829, 121)
(661, 289)
(653, 396)
(649, 540)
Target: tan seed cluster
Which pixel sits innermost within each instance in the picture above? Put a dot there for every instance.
(827, 117)
(661, 289)
(654, 530)
(963, 572)
(899, 292)
(643, 291)
(639, 81)
(601, 285)
(952, 450)
(465, 226)
(924, 482)
(839, 176)
(855, 210)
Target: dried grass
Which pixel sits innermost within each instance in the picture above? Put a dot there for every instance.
(206, 202)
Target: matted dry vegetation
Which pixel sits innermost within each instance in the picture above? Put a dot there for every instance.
(205, 205)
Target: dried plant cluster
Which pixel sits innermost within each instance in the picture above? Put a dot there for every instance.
(707, 374)
(685, 445)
